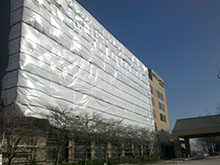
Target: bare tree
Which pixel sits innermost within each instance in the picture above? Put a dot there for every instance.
(12, 135)
(31, 143)
(210, 144)
(30, 147)
(147, 140)
(87, 131)
(62, 122)
(120, 136)
(16, 132)
(133, 138)
(165, 145)
(108, 130)
(142, 139)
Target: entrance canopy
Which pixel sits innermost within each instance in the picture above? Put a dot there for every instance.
(197, 127)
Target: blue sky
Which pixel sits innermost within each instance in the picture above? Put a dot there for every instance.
(179, 39)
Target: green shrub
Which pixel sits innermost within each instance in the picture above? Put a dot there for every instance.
(134, 160)
(95, 162)
(113, 161)
(215, 153)
(91, 162)
(131, 160)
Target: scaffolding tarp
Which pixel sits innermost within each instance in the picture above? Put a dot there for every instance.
(61, 56)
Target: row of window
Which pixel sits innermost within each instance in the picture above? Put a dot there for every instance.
(161, 82)
(160, 105)
(159, 94)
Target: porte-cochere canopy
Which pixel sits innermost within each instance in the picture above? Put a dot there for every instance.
(197, 127)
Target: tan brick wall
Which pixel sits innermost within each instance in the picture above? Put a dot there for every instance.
(24, 151)
(157, 87)
(71, 151)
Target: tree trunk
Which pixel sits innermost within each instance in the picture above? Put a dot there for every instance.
(106, 152)
(10, 158)
(57, 156)
(121, 149)
(85, 154)
(9, 161)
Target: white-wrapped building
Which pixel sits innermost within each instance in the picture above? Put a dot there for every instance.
(60, 56)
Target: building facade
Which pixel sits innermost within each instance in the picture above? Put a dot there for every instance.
(61, 56)
(159, 103)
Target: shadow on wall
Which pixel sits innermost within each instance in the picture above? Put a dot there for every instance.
(4, 32)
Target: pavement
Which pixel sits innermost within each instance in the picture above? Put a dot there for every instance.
(200, 160)
(213, 160)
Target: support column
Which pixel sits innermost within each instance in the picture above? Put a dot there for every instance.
(4, 150)
(123, 150)
(132, 150)
(188, 150)
(177, 148)
(142, 150)
(71, 151)
(93, 156)
(42, 152)
(109, 150)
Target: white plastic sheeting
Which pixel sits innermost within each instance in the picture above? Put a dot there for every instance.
(60, 56)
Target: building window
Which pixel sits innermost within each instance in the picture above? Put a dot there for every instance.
(161, 82)
(154, 113)
(152, 99)
(155, 124)
(160, 95)
(161, 106)
(151, 89)
(163, 118)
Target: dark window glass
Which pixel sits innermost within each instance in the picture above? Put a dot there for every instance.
(160, 95)
(152, 99)
(151, 89)
(161, 106)
(163, 118)
(155, 126)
